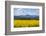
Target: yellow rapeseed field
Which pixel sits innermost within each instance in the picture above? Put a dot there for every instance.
(26, 23)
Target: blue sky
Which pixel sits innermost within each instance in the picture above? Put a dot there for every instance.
(25, 11)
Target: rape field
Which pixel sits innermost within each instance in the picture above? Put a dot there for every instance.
(26, 23)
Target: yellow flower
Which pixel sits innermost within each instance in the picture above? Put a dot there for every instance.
(26, 23)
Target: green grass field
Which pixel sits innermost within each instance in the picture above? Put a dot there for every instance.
(26, 23)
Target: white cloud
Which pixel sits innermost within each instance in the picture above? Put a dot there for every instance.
(21, 11)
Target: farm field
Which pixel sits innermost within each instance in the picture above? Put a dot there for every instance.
(26, 23)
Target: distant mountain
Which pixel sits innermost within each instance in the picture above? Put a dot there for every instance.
(26, 17)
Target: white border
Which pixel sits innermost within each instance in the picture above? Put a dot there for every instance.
(25, 28)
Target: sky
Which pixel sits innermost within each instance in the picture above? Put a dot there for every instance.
(25, 11)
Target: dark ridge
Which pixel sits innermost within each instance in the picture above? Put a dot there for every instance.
(27, 17)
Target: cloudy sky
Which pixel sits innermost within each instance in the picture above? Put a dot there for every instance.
(25, 11)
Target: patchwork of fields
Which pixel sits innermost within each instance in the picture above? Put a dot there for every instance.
(26, 23)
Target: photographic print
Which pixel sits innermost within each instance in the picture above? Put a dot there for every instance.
(24, 17)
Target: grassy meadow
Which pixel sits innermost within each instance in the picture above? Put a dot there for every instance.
(26, 23)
